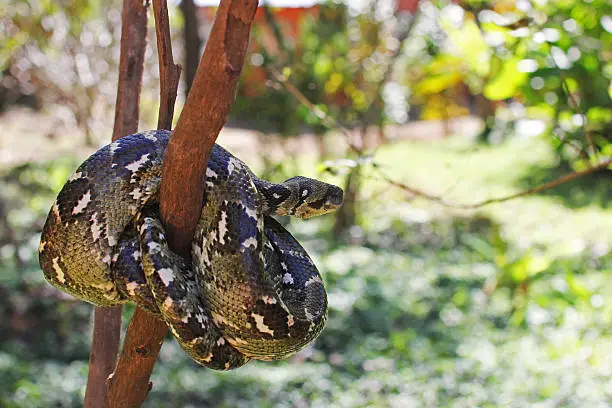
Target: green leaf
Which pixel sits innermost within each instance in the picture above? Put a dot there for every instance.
(506, 83)
(577, 287)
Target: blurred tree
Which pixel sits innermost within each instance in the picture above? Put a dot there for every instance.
(340, 58)
(192, 42)
(549, 60)
(64, 53)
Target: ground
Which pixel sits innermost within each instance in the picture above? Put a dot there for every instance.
(430, 306)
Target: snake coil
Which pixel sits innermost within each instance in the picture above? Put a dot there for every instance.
(249, 291)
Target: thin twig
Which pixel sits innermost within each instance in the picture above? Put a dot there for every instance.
(583, 153)
(572, 100)
(169, 72)
(332, 123)
(546, 186)
(570, 143)
(327, 120)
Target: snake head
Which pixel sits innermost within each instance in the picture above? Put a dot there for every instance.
(310, 197)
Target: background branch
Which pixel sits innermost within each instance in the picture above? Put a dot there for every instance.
(546, 186)
(192, 41)
(131, 66)
(573, 103)
(107, 321)
(326, 119)
(332, 123)
(169, 72)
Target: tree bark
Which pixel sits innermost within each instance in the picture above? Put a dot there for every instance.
(182, 188)
(107, 321)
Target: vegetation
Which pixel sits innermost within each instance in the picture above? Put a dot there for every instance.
(430, 304)
(429, 307)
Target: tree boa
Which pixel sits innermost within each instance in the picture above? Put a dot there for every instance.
(250, 289)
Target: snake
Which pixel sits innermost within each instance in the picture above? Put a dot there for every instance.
(249, 289)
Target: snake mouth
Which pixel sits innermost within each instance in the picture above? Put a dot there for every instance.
(332, 204)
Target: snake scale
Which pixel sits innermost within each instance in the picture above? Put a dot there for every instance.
(249, 291)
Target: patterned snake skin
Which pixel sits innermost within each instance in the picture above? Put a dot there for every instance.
(249, 291)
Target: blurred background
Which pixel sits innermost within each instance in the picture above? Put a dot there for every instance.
(420, 110)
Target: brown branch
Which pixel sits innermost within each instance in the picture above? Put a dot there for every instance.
(185, 161)
(103, 354)
(546, 186)
(573, 145)
(574, 102)
(206, 110)
(419, 193)
(131, 66)
(129, 385)
(332, 123)
(169, 72)
(107, 321)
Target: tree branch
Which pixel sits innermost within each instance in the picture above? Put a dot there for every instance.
(107, 321)
(332, 123)
(129, 385)
(326, 119)
(572, 101)
(185, 161)
(538, 189)
(103, 354)
(131, 67)
(206, 110)
(169, 72)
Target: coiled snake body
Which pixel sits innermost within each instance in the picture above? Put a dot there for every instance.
(249, 291)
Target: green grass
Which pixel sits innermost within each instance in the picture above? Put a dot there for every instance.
(565, 218)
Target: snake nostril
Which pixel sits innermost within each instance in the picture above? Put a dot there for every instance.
(335, 198)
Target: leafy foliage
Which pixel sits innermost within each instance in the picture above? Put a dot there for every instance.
(550, 60)
(427, 307)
